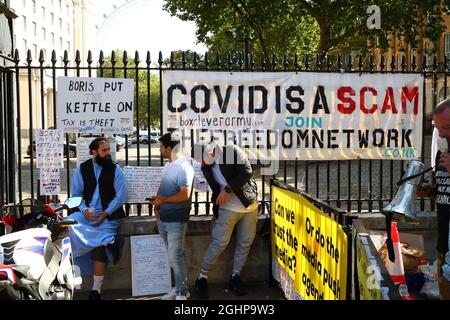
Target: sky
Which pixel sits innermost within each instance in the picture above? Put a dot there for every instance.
(142, 25)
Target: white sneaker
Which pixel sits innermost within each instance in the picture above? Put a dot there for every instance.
(172, 295)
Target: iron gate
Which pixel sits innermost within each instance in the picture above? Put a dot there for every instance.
(355, 185)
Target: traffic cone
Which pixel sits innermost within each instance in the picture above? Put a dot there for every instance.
(396, 269)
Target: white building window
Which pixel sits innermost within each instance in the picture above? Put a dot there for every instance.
(68, 46)
(25, 45)
(429, 48)
(43, 13)
(60, 5)
(60, 24)
(34, 29)
(35, 51)
(53, 38)
(68, 28)
(52, 18)
(67, 10)
(34, 6)
(447, 45)
(60, 43)
(24, 3)
(24, 23)
(44, 34)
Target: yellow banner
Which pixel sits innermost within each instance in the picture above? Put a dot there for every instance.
(309, 245)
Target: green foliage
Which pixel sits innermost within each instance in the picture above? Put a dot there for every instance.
(144, 98)
(306, 26)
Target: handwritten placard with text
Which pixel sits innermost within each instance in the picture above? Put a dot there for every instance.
(50, 181)
(150, 270)
(142, 182)
(49, 148)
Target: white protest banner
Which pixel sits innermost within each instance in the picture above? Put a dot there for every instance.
(95, 105)
(50, 181)
(142, 183)
(150, 270)
(200, 183)
(83, 152)
(49, 148)
(298, 115)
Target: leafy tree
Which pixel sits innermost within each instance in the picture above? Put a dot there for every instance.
(144, 98)
(306, 26)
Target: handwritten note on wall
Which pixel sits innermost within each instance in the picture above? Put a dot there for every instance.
(150, 270)
(50, 181)
(142, 182)
(83, 149)
(49, 148)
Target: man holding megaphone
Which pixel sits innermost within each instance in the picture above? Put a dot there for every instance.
(440, 190)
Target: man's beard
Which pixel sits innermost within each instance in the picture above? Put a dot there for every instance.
(103, 161)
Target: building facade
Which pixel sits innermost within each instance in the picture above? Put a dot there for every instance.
(47, 25)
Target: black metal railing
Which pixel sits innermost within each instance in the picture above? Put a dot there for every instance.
(355, 185)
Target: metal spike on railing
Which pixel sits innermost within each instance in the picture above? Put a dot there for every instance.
(339, 62)
(240, 60)
(137, 60)
(218, 62)
(274, 61)
(125, 58)
(424, 63)
(113, 58)
(195, 61)
(414, 63)
(183, 60)
(445, 63)
(318, 63)
(306, 61)
(172, 60)
(206, 60)
(285, 62)
(148, 59)
(329, 63)
(252, 61)
(382, 62)
(16, 56)
(263, 61)
(160, 59)
(435, 64)
(53, 59)
(66, 58)
(296, 65)
(350, 62)
(41, 57)
(77, 58)
(89, 58)
(404, 63)
(229, 61)
(101, 58)
(29, 58)
(371, 62)
(360, 62)
(393, 64)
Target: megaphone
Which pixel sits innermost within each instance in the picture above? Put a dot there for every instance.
(402, 207)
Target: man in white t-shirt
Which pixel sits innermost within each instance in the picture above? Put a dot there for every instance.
(234, 196)
(172, 208)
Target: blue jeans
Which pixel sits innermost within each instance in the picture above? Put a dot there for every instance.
(221, 233)
(173, 234)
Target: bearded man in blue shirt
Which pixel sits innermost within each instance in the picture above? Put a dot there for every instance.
(102, 185)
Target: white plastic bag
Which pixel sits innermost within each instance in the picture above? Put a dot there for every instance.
(430, 289)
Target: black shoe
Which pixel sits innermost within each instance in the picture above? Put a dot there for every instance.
(237, 286)
(201, 287)
(116, 249)
(95, 295)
